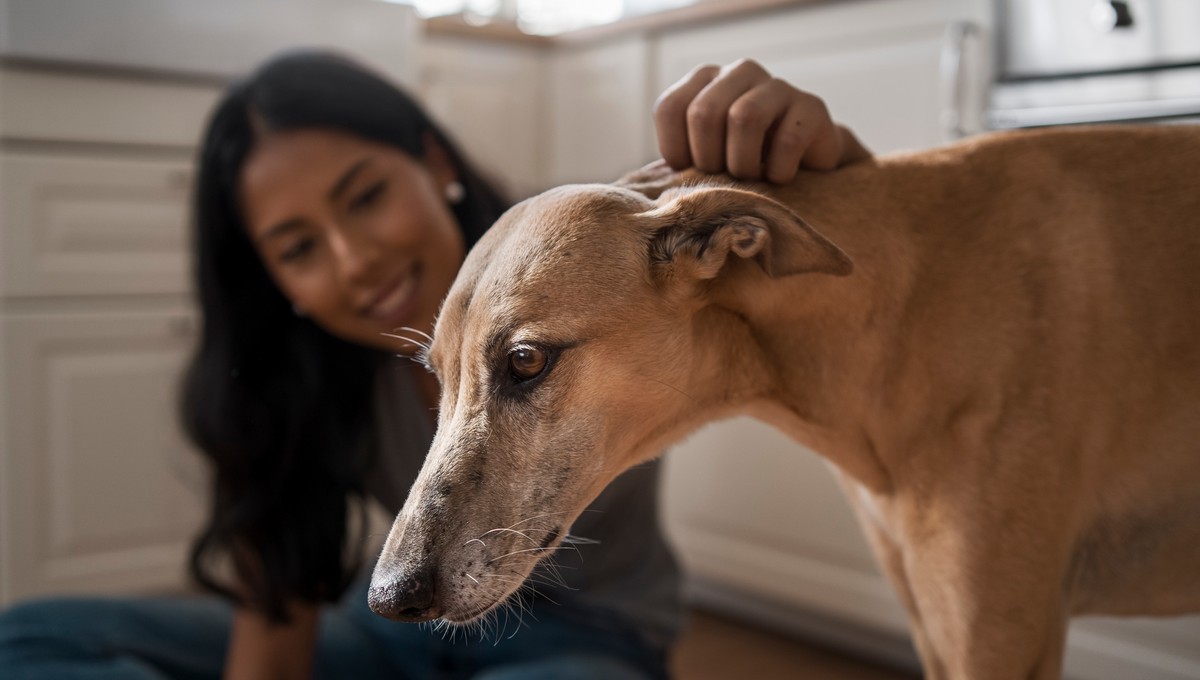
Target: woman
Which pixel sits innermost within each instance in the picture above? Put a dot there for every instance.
(330, 211)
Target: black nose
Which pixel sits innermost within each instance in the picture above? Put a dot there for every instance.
(404, 596)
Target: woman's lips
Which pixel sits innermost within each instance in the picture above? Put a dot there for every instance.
(394, 303)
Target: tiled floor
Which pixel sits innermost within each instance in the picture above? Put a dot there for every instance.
(716, 648)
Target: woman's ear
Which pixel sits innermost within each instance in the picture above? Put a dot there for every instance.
(437, 161)
(698, 228)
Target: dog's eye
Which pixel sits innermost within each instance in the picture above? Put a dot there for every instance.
(526, 363)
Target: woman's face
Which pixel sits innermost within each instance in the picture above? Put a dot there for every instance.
(357, 234)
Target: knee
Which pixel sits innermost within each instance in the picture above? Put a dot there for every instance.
(34, 623)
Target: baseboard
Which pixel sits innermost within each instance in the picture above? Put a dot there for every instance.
(857, 612)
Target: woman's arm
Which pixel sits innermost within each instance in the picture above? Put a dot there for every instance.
(742, 120)
(260, 649)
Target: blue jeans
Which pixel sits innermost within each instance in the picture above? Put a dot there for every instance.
(186, 638)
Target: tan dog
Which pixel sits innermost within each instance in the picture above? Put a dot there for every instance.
(996, 343)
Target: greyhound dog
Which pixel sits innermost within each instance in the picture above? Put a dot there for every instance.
(996, 344)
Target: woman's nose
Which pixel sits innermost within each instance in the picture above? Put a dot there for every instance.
(355, 256)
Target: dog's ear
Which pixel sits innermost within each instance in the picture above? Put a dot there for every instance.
(697, 229)
(653, 179)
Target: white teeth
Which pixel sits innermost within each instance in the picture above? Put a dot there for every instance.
(397, 297)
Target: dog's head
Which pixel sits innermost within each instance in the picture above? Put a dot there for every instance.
(567, 353)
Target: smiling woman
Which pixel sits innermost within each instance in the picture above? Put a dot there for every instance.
(302, 243)
(357, 234)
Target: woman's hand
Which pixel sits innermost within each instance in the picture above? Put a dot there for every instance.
(742, 120)
(260, 649)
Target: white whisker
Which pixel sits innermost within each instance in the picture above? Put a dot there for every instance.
(514, 531)
(518, 552)
(548, 514)
(418, 332)
(412, 341)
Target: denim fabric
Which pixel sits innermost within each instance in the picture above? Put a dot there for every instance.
(186, 638)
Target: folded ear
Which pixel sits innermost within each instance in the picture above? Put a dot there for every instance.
(697, 229)
(653, 179)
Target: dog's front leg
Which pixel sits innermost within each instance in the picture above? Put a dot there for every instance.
(991, 605)
(890, 557)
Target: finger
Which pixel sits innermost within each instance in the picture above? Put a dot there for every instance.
(791, 142)
(670, 115)
(750, 117)
(708, 113)
(826, 149)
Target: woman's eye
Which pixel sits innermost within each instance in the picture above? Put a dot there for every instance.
(297, 250)
(526, 363)
(368, 197)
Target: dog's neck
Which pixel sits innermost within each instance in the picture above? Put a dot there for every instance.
(807, 353)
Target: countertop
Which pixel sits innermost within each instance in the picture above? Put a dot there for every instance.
(701, 12)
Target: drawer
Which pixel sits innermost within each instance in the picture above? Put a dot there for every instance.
(93, 225)
(61, 106)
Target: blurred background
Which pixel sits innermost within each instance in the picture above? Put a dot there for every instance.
(101, 103)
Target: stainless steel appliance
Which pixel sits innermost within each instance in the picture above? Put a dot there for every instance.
(1092, 61)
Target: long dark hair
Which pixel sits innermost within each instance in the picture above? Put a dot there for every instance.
(281, 408)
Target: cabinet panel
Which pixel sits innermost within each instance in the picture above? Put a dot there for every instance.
(217, 38)
(93, 226)
(876, 64)
(889, 95)
(600, 112)
(748, 507)
(743, 478)
(100, 489)
(492, 100)
(61, 106)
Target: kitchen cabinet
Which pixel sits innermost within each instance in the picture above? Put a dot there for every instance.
(99, 225)
(887, 68)
(99, 492)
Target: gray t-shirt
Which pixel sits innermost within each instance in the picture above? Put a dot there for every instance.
(629, 573)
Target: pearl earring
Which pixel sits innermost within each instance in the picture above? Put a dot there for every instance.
(298, 311)
(455, 193)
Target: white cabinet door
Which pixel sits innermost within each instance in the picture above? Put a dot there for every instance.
(40, 104)
(99, 491)
(93, 225)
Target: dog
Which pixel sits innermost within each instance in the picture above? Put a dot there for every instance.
(995, 343)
